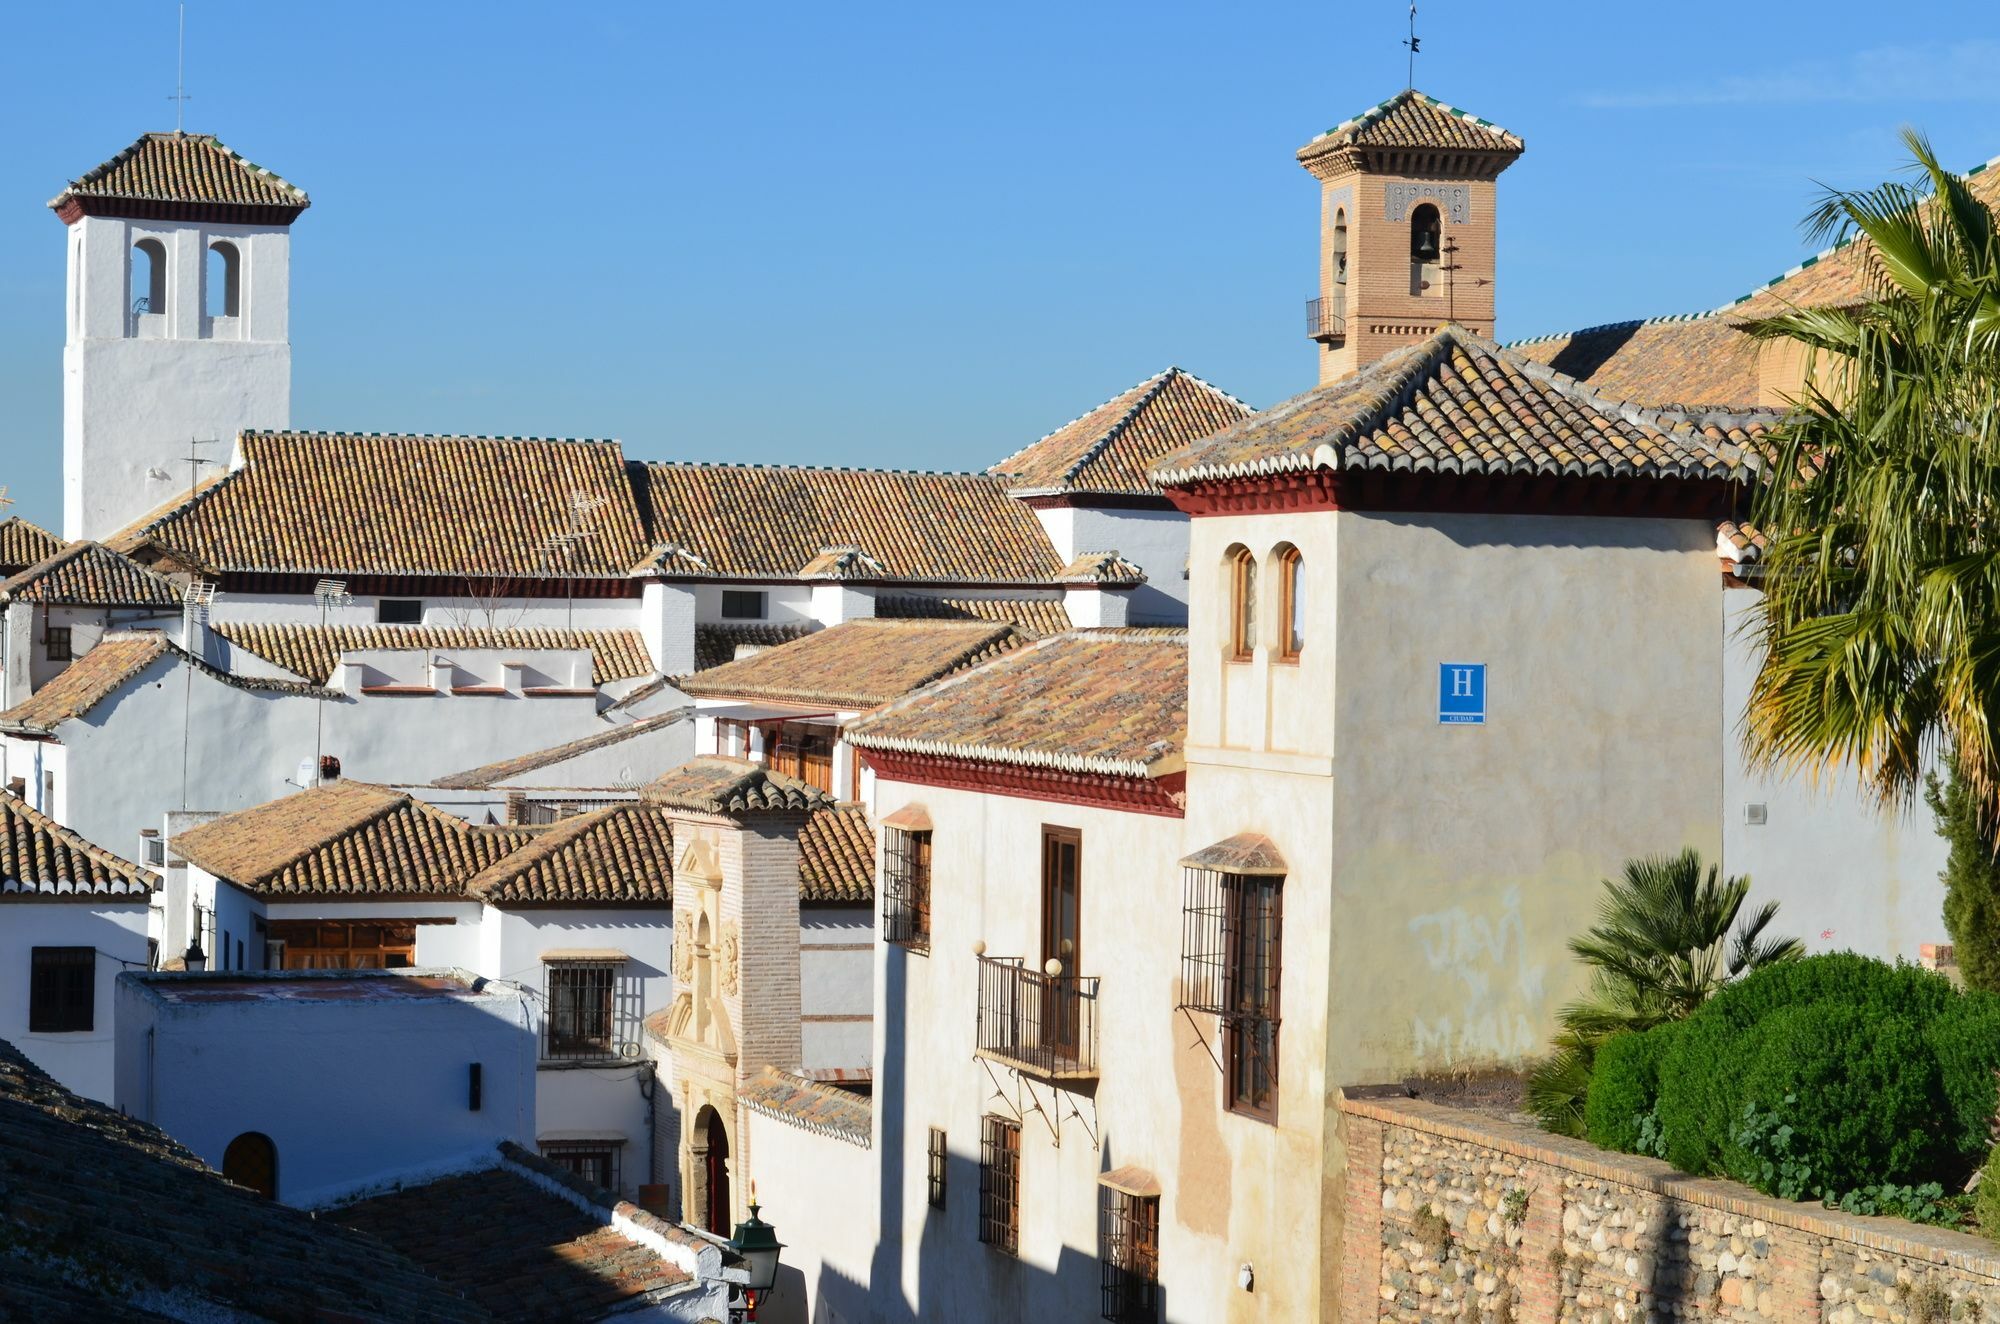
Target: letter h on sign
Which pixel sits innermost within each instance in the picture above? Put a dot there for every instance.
(1462, 693)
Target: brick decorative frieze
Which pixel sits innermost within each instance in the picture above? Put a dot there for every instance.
(1457, 1215)
(1398, 196)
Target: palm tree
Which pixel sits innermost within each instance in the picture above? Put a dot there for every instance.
(1880, 620)
(1666, 939)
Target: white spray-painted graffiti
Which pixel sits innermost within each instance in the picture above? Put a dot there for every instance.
(1486, 951)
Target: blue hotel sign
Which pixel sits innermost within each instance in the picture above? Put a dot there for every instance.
(1462, 693)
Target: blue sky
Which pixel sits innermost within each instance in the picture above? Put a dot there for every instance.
(921, 235)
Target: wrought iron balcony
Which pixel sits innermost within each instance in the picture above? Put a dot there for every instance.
(1326, 319)
(1041, 1024)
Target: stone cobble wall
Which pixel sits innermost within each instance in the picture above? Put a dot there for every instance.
(1458, 1216)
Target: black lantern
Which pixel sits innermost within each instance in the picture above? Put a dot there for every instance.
(757, 1242)
(195, 958)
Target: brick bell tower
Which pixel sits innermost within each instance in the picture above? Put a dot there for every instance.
(1406, 227)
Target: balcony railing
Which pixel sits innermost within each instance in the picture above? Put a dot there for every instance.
(1326, 319)
(1042, 1024)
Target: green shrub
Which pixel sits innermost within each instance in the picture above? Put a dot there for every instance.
(1858, 981)
(1698, 1096)
(1966, 1042)
(1971, 883)
(1625, 1087)
(1986, 1199)
(1860, 1090)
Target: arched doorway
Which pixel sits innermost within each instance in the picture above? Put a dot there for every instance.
(252, 1160)
(711, 1172)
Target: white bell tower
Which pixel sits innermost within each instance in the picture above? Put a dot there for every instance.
(178, 305)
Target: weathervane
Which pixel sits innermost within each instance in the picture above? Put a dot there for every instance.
(1414, 42)
(180, 97)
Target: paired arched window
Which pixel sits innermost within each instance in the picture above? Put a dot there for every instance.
(222, 279)
(1426, 241)
(1340, 249)
(1291, 603)
(1241, 569)
(149, 276)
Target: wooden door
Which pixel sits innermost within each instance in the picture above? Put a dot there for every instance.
(1062, 937)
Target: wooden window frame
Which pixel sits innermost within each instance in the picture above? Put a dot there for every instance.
(1128, 1249)
(906, 888)
(62, 990)
(57, 644)
(1291, 631)
(1000, 1184)
(935, 1152)
(567, 1027)
(1253, 978)
(1242, 605)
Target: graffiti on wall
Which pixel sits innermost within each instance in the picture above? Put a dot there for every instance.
(1489, 990)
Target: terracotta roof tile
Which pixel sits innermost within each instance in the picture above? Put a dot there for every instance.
(1112, 448)
(89, 574)
(354, 504)
(1739, 542)
(717, 644)
(506, 770)
(116, 658)
(1412, 121)
(347, 839)
(714, 784)
(23, 544)
(1035, 616)
(188, 168)
(313, 651)
(1664, 362)
(771, 522)
(42, 859)
(516, 1249)
(856, 664)
(1457, 404)
(102, 1210)
(1109, 701)
(823, 1109)
(1244, 853)
(1102, 568)
(619, 855)
(837, 856)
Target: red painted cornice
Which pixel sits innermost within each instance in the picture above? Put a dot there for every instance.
(1526, 494)
(1133, 795)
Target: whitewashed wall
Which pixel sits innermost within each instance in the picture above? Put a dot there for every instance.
(1154, 540)
(81, 1060)
(824, 1274)
(837, 985)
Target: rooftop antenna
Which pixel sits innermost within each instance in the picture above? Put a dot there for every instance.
(180, 96)
(329, 593)
(1413, 41)
(5, 500)
(195, 599)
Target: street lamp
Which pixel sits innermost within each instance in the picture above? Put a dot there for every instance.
(195, 958)
(757, 1242)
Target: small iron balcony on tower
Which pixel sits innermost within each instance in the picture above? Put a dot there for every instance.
(1326, 320)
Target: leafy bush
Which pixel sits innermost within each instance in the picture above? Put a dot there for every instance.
(1920, 1204)
(1862, 982)
(1698, 1096)
(1625, 1087)
(1971, 883)
(1966, 1043)
(1986, 1199)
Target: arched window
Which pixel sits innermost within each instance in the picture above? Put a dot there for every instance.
(252, 1160)
(1291, 604)
(1242, 579)
(149, 276)
(222, 281)
(1340, 249)
(1426, 239)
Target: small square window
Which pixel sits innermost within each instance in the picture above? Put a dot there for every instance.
(936, 1155)
(1000, 1184)
(55, 640)
(740, 604)
(594, 1161)
(62, 990)
(399, 611)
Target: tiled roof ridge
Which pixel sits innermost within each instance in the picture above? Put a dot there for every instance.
(336, 434)
(477, 778)
(302, 687)
(82, 182)
(859, 736)
(1150, 390)
(817, 468)
(132, 874)
(1381, 108)
(179, 506)
(838, 1114)
(75, 551)
(1629, 323)
(545, 843)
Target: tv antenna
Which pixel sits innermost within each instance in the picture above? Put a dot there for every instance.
(195, 600)
(180, 97)
(5, 500)
(1414, 42)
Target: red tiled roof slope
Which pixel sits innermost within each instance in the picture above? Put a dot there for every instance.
(89, 574)
(42, 859)
(1111, 449)
(183, 168)
(837, 856)
(1035, 616)
(856, 664)
(620, 854)
(1688, 361)
(23, 544)
(313, 651)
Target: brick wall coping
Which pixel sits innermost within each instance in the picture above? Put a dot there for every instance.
(1888, 1236)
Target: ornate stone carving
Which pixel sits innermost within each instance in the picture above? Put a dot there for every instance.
(731, 955)
(1455, 199)
(683, 948)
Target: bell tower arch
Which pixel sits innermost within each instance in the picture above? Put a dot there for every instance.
(1407, 236)
(178, 320)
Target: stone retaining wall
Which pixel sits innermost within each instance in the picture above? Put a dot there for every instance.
(1454, 1215)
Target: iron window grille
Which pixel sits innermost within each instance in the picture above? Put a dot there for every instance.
(1128, 1248)
(56, 642)
(906, 889)
(1232, 930)
(62, 990)
(936, 1154)
(593, 1160)
(1000, 1184)
(591, 1012)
